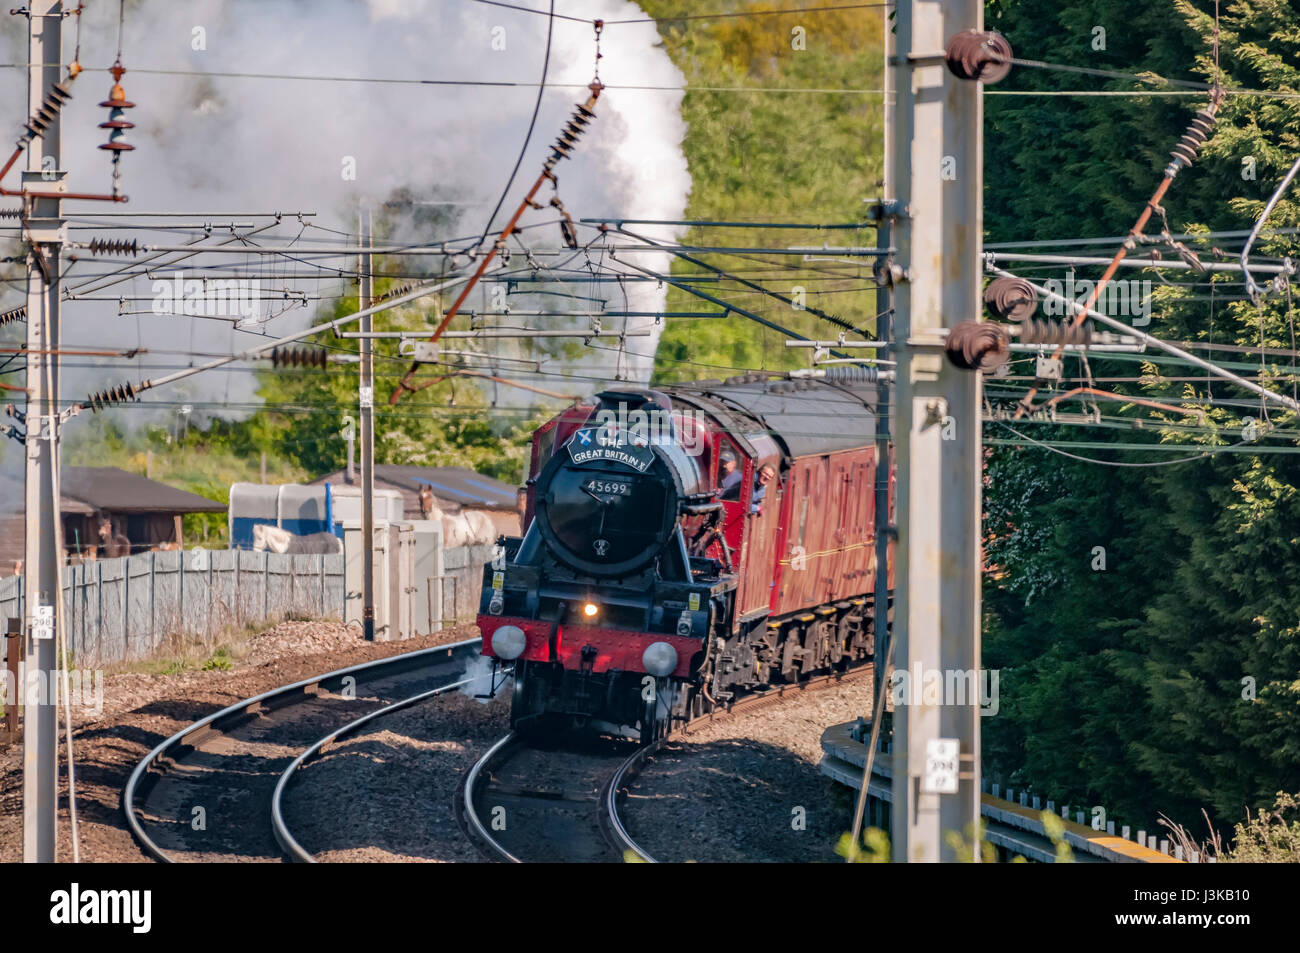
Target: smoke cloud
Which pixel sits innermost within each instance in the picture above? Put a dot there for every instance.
(223, 146)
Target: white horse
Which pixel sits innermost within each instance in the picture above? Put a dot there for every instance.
(468, 528)
(276, 540)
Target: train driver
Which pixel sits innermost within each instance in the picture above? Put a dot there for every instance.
(729, 476)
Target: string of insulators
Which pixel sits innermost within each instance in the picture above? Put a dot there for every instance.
(114, 246)
(983, 55)
(396, 292)
(583, 114)
(298, 357)
(40, 121)
(851, 374)
(1010, 299)
(1055, 333)
(10, 213)
(122, 394)
(117, 104)
(13, 314)
(1184, 154)
(978, 346)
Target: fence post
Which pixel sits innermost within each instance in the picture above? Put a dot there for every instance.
(180, 596)
(322, 586)
(153, 594)
(13, 650)
(126, 605)
(99, 611)
(207, 626)
(85, 606)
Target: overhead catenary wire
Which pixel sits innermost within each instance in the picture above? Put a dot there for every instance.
(1253, 291)
(1083, 311)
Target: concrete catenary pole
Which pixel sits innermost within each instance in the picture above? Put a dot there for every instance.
(367, 392)
(42, 563)
(937, 157)
(884, 304)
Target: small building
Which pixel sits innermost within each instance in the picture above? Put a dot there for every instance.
(455, 490)
(105, 511)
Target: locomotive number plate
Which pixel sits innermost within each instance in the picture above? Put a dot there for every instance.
(608, 487)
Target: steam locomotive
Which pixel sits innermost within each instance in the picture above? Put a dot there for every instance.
(686, 544)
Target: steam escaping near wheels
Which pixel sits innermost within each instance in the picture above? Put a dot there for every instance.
(478, 671)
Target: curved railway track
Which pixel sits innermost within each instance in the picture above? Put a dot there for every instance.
(206, 793)
(283, 836)
(523, 802)
(528, 801)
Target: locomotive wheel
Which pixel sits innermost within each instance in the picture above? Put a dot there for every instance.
(521, 706)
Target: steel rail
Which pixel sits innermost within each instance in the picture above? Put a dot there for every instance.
(612, 824)
(212, 725)
(466, 800)
(283, 835)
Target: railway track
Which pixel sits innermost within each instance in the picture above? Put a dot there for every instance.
(529, 801)
(207, 792)
(279, 827)
(525, 802)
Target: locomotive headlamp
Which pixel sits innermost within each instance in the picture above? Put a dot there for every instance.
(684, 623)
(590, 609)
(509, 642)
(659, 658)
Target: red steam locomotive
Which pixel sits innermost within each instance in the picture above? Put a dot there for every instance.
(684, 544)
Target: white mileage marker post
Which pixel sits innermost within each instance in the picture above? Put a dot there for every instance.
(941, 759)
(43, 622)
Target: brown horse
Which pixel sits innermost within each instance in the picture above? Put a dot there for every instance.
(111, 543)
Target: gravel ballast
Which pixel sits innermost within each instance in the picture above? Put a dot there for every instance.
(746, 788)
(140, 710)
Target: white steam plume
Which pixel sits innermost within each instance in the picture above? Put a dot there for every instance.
(220, 144)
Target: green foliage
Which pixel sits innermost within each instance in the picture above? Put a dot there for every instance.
(772, 156)
(965, 846)
(1271, 836)
(874, 848)
(220, 660)
(1167, 681)
(1055, 829)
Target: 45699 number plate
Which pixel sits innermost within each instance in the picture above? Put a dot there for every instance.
(608, 487)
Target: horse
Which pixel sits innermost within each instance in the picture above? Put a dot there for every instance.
(276, 540)
(468, 528)
(112, 544)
